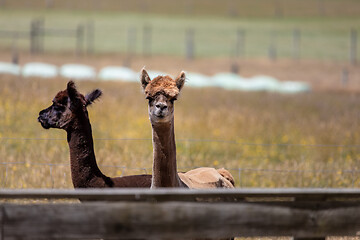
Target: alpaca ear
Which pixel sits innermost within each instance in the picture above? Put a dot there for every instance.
(180, 80)
(144, 78)
(91, 97)
(71, 90)
(74, 96)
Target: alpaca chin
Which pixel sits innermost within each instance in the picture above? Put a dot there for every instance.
(44, 123)
(160, 119)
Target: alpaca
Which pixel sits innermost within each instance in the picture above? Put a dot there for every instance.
(161, 92)
(69, 112)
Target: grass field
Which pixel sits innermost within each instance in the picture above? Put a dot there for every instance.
(214, 36)
(308, 140)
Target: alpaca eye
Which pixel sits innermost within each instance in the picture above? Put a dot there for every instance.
(58, 108)
(150, 99)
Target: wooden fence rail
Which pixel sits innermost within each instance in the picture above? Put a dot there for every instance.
(181, 213)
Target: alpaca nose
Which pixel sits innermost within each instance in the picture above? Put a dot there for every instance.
(161, 106)
(41, 113)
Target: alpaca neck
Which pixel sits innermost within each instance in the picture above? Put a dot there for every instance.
(164, 150)
(84, 169)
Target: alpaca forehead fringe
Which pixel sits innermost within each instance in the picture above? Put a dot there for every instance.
(61, 97)
(162, 84)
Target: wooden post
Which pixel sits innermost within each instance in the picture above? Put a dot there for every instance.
(296, 44)
(273, 46)
(147, 40)
(15, 54)
(79, 39)
(36, 36)
(189, 42)
(240, 43)
(40, 35)
(33, 37)
(353, 46)
(90, 37)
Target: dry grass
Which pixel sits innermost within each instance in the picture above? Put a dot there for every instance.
(284, 131)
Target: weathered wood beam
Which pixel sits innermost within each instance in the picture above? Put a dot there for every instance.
(173, 220)
(307, 194)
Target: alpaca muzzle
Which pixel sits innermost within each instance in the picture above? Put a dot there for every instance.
(43, 122)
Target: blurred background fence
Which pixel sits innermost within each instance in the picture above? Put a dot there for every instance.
(106, 27)
(227, 8)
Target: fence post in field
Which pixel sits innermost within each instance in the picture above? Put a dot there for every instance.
(353, 46)
(189, 42)
(296, 44)
(40, 35)
(240, 43)
(147, 40)
(90, 37)
(273, 46)
(34, 36)
(79, 39)
(15, 53)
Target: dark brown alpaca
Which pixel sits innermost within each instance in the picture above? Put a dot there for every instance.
(161, 93)
(69, 112)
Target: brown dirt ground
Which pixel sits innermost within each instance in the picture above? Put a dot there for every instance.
(322, 75)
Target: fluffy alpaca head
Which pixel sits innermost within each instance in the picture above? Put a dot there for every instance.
(67, 105)
(161, 92)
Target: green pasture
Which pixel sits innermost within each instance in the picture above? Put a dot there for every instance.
(264, 139)
(321, 38)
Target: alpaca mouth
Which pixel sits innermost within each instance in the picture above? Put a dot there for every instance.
(160, 115)
(43, 123)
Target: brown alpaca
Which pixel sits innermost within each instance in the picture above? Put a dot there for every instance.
(69, 112)
(161, 93)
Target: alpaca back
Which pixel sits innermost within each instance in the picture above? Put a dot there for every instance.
(132, 181)
(205, 177)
